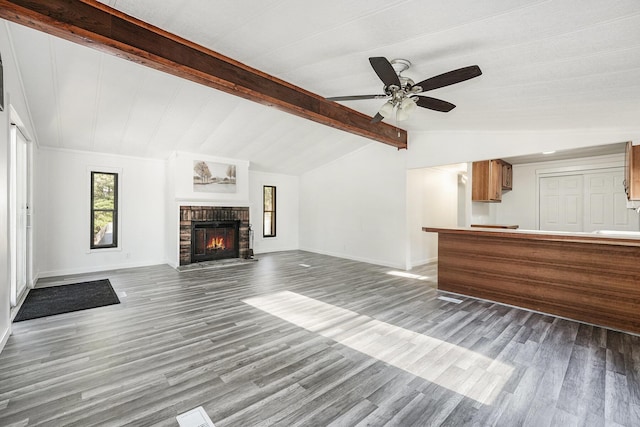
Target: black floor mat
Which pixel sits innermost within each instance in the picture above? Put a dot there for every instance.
(53, 300)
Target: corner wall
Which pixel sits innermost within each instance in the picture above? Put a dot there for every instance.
(14, 97)
(287, 215)
(355, 207)
(432, 201)
(63, 204)
(5, 285)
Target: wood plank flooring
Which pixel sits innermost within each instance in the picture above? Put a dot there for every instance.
(338, 343)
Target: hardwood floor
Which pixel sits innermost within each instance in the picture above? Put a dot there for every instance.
(335, 342)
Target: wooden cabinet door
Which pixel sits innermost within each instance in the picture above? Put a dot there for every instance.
(632, 172)
(487, 181)
(495, 180)
(507, 176)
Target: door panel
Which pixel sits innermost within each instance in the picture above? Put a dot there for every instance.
(606, 203)
(561, 203)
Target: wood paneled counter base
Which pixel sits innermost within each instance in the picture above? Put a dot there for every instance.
(583, 276)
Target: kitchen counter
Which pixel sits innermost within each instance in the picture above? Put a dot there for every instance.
(590, 277)
(510, 226)
(601, 236)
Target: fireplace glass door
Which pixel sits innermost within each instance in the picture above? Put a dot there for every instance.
(214, 240)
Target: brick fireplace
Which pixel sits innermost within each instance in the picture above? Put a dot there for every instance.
(193, 219)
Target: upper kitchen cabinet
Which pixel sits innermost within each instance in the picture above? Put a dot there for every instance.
(489, 179)
(631, 172)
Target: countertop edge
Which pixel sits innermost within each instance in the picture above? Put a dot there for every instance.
(539, 235)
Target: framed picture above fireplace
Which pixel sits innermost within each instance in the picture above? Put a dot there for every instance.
(213, 177)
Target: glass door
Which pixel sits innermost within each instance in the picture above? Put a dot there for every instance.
(19, 213)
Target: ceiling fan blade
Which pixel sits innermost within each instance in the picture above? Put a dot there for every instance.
(355, 97)
(385, 71)
(452, 77)
(434, 104)
(377, 118)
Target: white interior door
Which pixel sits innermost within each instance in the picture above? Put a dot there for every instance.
(561, 203)
(586, 201)
(605, 203)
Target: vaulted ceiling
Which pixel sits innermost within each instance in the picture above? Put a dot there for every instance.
(546, 65)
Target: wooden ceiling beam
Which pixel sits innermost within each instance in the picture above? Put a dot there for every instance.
(101, 27)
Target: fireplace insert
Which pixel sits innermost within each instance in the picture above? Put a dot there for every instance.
(214, 240)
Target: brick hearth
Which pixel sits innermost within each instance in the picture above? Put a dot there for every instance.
(190, 214)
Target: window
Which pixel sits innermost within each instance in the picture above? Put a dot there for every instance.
(269, 211)
(104, 210)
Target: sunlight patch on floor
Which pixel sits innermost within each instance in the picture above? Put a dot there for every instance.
(456, 368)
(408, 275)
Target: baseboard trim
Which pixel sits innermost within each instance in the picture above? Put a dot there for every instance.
(5, 338)
(424, 262)
(270, 251)
(355, 258)
(97, 269)
(34, 280)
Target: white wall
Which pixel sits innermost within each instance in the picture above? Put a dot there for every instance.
(355, 207)
(432, 201)
(519, 206)
(483, 213)
(428, 149)
(63, 212)
(172, 214)
(5, 285)
(14, 97)
(287, 190)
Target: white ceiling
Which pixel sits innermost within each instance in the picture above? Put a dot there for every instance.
(571, 64)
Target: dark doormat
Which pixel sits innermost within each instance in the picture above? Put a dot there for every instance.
(43, 302)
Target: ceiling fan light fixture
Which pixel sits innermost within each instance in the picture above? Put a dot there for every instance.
(387, 109)
(406, 107)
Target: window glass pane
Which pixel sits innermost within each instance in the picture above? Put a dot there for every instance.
(104, 210)
(267, 223)
(102, 228)
(269, 211)
(104, 190)
(268, 198)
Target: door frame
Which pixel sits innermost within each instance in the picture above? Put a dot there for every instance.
(16, 125)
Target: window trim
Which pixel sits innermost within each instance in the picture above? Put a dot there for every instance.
(116, 229)
(273, 211)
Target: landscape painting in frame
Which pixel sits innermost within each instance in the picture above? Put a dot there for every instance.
(212, 177)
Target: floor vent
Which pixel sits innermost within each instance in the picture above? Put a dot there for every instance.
(195, 418)
(449, 299)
